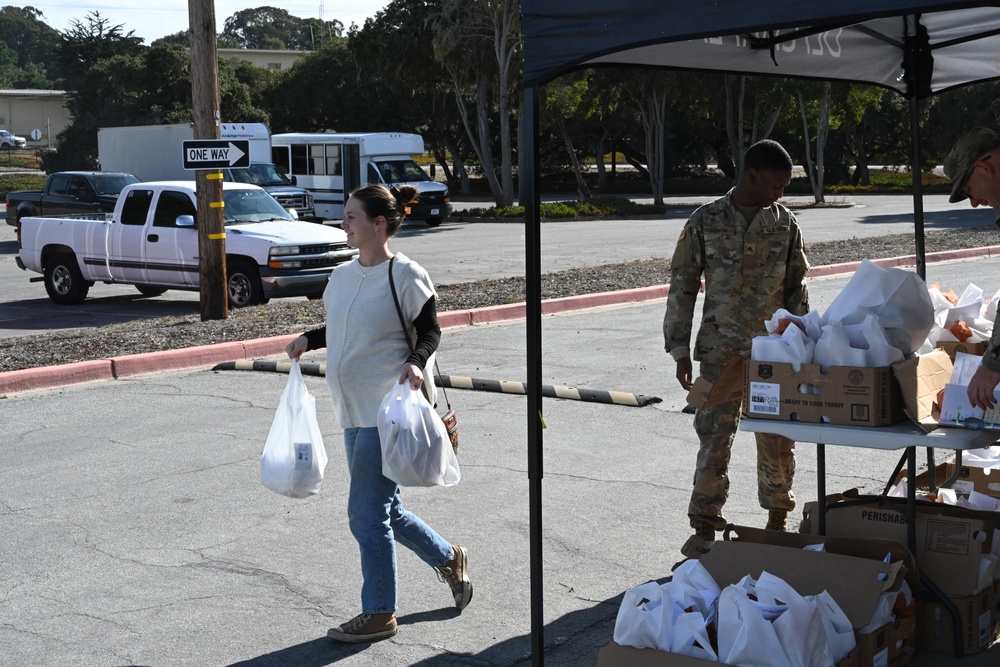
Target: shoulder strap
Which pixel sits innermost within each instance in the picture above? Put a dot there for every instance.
(406, 330)
(399, 311)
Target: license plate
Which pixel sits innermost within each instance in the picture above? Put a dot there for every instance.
(435, 211)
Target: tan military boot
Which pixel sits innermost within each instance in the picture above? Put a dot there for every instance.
(776, 520)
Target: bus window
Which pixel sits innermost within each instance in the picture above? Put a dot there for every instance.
(300, 159)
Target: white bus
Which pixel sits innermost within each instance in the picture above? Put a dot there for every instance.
(332, 165)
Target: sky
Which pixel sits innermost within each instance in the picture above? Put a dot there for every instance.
(165, 17)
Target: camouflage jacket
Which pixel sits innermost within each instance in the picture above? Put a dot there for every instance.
(750, 270)
(991, 358)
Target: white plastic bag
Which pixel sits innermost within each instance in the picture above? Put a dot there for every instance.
(416, 450)
(898, 298)
(294, 457)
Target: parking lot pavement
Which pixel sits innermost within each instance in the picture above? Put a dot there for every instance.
(136, 530)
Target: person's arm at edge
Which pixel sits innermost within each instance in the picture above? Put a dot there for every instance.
(313, 339)
(796, 292)
(685, 282)
(987, 376)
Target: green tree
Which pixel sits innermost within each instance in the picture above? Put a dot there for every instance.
(317, 92)
(567, 106)
(86, 43)
(275, 28)
(766, 97)
(30, 38)
(478, 42)
(404, 87)
(817, 110)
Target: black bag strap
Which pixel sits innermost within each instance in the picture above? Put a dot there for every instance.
(406, 330)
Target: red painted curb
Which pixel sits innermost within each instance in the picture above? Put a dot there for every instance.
(205, 355)
(47, 377)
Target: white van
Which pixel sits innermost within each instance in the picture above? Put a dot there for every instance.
(332, 165)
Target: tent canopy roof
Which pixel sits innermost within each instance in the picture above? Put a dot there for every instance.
(912, 47)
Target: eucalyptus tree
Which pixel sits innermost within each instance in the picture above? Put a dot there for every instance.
(478, 42)
(403, 86)
(753, 106)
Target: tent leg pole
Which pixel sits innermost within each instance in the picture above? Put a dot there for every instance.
(918, 188)
(533, 322)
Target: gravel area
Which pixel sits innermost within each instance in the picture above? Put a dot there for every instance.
(285, 316)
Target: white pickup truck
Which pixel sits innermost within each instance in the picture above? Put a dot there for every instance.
(151, 241)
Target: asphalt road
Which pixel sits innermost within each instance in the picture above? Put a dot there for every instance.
(136, 532)
(459, 252)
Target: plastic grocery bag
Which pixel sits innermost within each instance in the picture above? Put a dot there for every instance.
(898, 298)
(294, 457)
(673, 617)
(416, 449)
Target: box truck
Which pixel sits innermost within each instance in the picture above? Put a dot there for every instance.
(155, 153)
(332, 165)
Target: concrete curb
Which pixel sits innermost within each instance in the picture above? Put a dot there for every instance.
(30, 379)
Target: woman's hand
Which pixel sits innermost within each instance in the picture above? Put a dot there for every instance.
(297, 347)
(412, 374)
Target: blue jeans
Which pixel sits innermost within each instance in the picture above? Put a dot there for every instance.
(378, 521)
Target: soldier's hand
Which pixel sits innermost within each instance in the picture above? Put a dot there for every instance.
(684, 373)
(981, 388)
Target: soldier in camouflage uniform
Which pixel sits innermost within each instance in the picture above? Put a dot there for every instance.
(749, 250)
(975, 176)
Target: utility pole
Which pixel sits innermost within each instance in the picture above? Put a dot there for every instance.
(211, 221)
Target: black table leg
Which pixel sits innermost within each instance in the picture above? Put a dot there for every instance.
(911, 499)
(821, 486)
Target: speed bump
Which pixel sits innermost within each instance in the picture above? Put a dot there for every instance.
(461, 382)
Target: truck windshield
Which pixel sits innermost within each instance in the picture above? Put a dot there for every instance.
(112, 184)
(401, 171)
(261, 174)
(243, 206)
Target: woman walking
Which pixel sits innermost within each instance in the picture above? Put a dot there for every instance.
(366, 353)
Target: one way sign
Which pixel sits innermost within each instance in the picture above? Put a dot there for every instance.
(217, 154)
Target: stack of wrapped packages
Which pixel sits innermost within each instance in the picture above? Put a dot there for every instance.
(880, 317)
(964, 319)
(755, 622)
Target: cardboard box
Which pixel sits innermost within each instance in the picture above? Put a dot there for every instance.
(808, 572)
(969, 348)
(854, 396)
(970, 478)
(950, 540)
(920, 380)
(910, 387)
(979, 617)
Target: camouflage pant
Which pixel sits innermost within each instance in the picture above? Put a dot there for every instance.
(716, 426)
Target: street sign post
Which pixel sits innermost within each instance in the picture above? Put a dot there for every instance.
(217, 154)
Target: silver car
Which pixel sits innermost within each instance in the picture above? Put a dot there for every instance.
(10, 140)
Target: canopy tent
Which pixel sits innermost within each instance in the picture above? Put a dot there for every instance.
(916, 48)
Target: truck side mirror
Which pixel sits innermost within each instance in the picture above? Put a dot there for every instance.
(184, 221)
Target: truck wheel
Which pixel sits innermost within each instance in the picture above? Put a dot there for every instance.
(63, 281)
(245, 288)
(434, 222)
(150, 290)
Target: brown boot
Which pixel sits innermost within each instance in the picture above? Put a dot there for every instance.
(705, 532)
(776, 520)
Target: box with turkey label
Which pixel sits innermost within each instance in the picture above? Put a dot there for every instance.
(845, 395)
